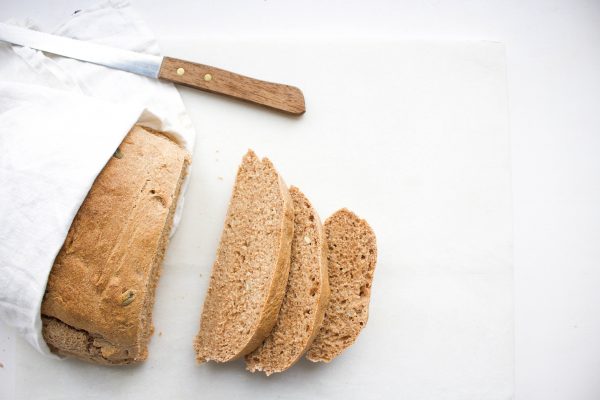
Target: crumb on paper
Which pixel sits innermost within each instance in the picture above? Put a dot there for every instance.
(220, 178)
(160, 333)
(1, 365)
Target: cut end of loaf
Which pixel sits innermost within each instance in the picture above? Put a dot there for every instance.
(251, 267)
(306, 297)
(352, 257)
(66, 340)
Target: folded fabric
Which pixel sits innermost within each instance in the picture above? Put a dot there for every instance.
(60, 121)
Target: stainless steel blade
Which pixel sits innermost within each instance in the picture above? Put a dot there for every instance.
(138, 63)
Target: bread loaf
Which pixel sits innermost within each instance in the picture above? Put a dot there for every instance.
(100, 292)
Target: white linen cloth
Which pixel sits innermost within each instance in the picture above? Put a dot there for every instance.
(60, 122)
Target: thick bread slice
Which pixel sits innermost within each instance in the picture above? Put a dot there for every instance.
(100, 292)
(251, 269)
(352, 257)
(306, 295)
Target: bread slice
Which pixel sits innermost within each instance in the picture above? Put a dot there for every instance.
(352, 257)
(306, 295)
(251, 269)
(100, 292)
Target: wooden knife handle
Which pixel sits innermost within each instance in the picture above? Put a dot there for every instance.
(210, 79)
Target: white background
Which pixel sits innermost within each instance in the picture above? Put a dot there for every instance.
(553, 52)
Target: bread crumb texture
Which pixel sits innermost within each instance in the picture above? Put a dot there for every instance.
(306, 297)
(352, 257)
(251, 269)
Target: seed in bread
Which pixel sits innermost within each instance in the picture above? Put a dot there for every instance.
(306, 297)
(100, 292)
(251, 269)
(352, 257)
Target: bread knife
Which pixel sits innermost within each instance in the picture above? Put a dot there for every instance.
(199, 76)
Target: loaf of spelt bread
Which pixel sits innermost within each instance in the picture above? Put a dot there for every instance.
(251, 269)
(100, 292)
(352, 257)
(306, 297)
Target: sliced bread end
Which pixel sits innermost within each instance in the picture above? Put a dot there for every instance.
(352, 257)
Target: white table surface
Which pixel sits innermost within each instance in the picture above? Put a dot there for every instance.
(554, 94)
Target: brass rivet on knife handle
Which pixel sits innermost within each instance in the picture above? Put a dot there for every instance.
(210, 79)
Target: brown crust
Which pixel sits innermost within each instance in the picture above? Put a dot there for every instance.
(103, 280)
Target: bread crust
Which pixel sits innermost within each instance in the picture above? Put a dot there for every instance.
(101, 287)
